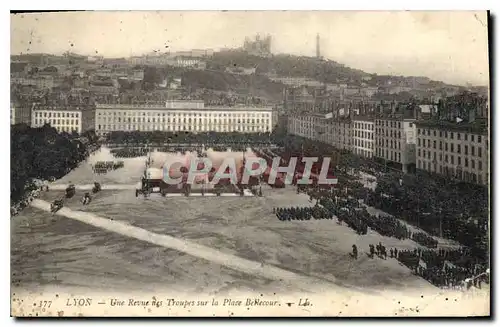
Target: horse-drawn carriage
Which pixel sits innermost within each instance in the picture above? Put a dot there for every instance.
(56, 205)
(70, 191)
(96, 188)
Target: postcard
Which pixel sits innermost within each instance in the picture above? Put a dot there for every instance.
(250, 164)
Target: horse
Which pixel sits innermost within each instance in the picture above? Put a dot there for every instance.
(86, 199)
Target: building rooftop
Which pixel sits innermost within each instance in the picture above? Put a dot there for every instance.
(479, 126)
(38, 107)
(363, 118)
(166, 107)
(407, 115)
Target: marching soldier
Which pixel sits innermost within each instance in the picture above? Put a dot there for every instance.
(355, 251)
(372, 251)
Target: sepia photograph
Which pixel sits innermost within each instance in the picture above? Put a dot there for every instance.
(250, 164)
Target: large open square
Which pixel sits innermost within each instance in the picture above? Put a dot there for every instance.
(250, 163)
(71, 253)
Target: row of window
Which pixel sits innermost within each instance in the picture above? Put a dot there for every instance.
(389, 155)
(427, 155)
(339, 142)
(182, 114)
(56, 121)
(364, 153)
(363, 144)
(392, 124)
(365, 126)
(329, 130)
(216, 128)
(363, 134)
(389, 144)
(451, 135)
(66, 129)
(391, 133)
(44, 114)
(328, 127)
(421, 143)
(450, 171)
(184, 120)
(310, 121)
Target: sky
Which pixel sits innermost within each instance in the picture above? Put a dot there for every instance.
(449, 46)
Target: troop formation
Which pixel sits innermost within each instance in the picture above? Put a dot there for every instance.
(103, 167)
(445, 268)
(389, 204)
(302, 213)
(361, 208)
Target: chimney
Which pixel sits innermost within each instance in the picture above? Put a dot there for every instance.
(472, 115)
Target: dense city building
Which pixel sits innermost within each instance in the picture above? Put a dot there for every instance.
(339, 111)
(296, 100)
(342, 133)
(41, 82)
(455, 150)
(363, 140)
(307, 99)
(20, 113)
(295, 81)
(168, 60)
(64, 118)
(312, 126)
(191, 116)
(395, 138)
(323, 128)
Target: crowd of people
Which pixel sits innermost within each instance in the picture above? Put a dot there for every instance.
(132, 152)
(33, 189)
(444, 268)
(209, 139)
(302, 213)
(103, 167)
(410, 200)
(349, 209)
(450, 210)
(424, 239)
(405, 198)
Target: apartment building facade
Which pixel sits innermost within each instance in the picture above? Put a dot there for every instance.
(63, 119)
(190, 116)
(312, 126)
(395, 139)
(457, 151)
(319, 127)
(20, 113)
(363, 136)
(342, 131)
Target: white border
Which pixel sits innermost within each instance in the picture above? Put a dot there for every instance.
(200, 5)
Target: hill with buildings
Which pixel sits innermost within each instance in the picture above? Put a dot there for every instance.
(288, 65)
(248, 73)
